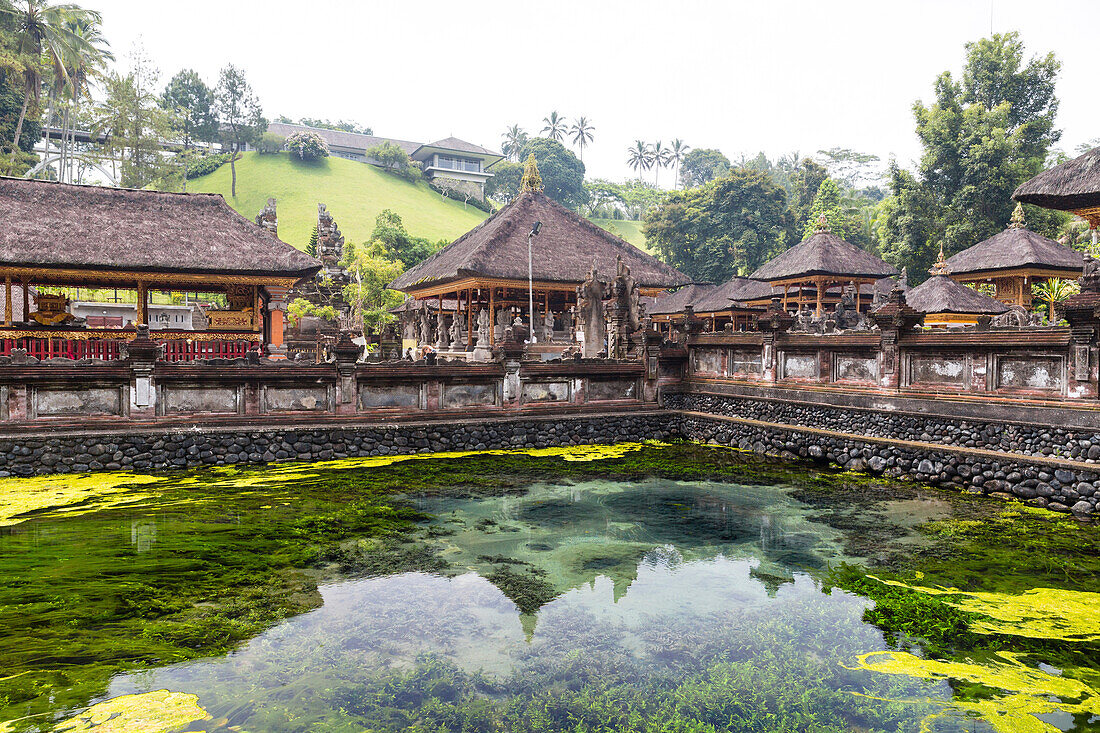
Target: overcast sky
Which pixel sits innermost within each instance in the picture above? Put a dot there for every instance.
(770, 75)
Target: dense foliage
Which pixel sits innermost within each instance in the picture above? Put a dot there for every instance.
(562, 174)
(702, 165)
(239, 114)
(192, 100)
(307, 145)
(731, 225)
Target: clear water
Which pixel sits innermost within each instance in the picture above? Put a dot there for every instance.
(587, 603)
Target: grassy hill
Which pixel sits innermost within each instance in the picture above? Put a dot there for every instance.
(355, 193)
(628, 229)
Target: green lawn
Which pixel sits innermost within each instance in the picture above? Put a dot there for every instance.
(628, 229)
(354, 192)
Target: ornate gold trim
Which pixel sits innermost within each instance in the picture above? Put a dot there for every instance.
(129, 335)
(129, 279)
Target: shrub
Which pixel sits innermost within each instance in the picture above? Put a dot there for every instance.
(270, 143)
(307, 145)
(205, 164)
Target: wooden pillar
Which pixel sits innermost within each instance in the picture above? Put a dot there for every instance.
(856, 286)
(142, 299)
(26, 301)
(469, 318)
(786, 289)
(492, 317)
(257, 310)
(820, 294)
(7, 301)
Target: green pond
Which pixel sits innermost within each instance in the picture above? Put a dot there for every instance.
(656, 588)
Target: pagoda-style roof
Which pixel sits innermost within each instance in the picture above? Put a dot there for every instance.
(672, 303)
(50, 226)
(824, 254)
(1016, 248)
(941, 294)
(732, 294)
(564, 251)
(1071, 186)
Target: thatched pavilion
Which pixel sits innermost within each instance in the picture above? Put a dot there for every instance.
(1073, 186)
(668, 307)
(1013, 260)
(57, 236)
(822, 261)
(947, 302)
(488, 266)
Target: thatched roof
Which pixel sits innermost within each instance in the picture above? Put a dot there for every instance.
(342, 138)
(63, 225)
(941, 294)
(824, 253)
(672, 303)
(1070, 186)
(1015, 247)
(564, 251)
(731, 293)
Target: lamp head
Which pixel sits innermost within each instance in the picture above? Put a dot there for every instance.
(536, 229)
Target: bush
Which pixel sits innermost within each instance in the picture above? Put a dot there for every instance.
(307, 145)
(456, 196)
(205, 164)
(270, 143)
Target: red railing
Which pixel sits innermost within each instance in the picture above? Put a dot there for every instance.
(108, 349)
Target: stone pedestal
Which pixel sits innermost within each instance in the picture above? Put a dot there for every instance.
(347, 354)
(141, 354)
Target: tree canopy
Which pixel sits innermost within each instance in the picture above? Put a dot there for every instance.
(562, 172)
(729, 226)
(702, 165)
(192, 101)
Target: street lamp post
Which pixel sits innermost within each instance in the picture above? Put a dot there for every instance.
(531, 281)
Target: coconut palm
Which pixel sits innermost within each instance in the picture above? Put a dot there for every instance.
(582, 134)
(658, 159)
(40, 30)
(556, 127)
(638, 157)
(85, 62)
(515, 139)
(676, 155)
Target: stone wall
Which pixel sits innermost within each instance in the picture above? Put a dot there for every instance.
(158, 449)
(473, 189)
(1043, 482)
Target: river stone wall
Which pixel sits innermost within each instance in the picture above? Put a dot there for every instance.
(178, 449)
(1040, 482)
(1018, 438)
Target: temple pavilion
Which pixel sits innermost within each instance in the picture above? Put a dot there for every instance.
(488, 266)
(946, 302)
(1013, 260)
(1073, 186)
(56, 237)
(821, 262)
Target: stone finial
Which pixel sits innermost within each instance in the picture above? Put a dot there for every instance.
(1018, 218)
(822, 224)
(532, 181)
(940, 268)
(268, 218)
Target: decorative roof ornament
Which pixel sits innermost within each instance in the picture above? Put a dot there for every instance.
(1018, 218)
(940, 268)
(532, 181)
(822, 224)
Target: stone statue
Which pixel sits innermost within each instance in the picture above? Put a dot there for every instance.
(548, 325)
(623, 312)
(425, 335)
(482, 327)
(1016, 316)
(1090, 275)
(804, 321)
(903, 278)
(846, 315)
(268, 219)
(590, 313)
(441, 340)
(456, 331)
(502, 321)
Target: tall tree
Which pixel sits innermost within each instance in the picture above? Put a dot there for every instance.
(582, 132)
(555, 127)
(85, 63)
(827, 203)
(849, 167)
(728, 226)
(658, 159)
(239, 115)
(982, 136)
(638, 157)
(193, 101)
(676, 153)
(562, 172)
(702, 165)
(514, 140)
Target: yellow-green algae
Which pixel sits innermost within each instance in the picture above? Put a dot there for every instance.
(1027, 691)
(151, 712)
(1039, 613)
(82, 493)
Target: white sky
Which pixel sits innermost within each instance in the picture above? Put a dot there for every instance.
(771, 75)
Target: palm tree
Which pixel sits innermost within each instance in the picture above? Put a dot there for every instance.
(676, 156)
(1053, 290)
(515, 139)
(658, 156)
(582, 134)
(40, 30)
(555, 128)
(84, 63)
(638, 157)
